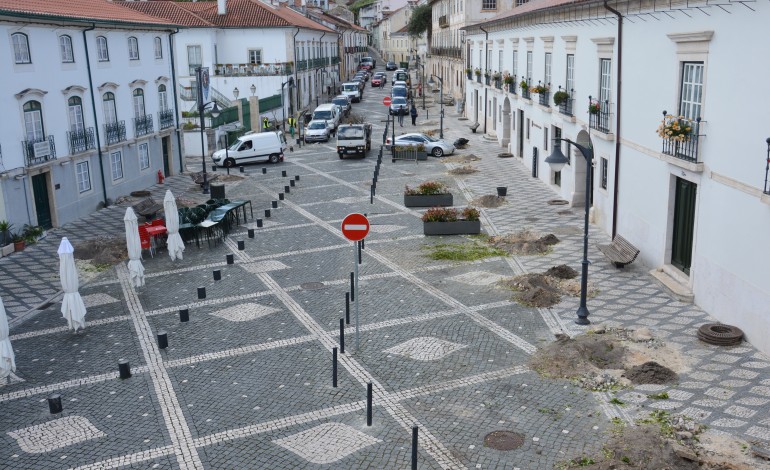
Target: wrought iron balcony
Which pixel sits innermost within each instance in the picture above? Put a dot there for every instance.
(81, 141)
(115, 132)
(302, 65)
(599, 115)
(166, 118)
(443, 21)
(525, 93)
(39, 151)
(567, 105)
(478, 78)
(684, 147)
(511, 87)
(454, 52)
(249, 70)
(143, 125)
(335, 60)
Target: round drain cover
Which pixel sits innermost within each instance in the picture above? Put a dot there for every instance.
(557, 202)
(504, 440)
(312, 285)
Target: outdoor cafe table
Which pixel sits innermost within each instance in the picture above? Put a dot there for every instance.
(155, 231)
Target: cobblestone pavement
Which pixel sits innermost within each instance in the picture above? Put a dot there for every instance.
(247, 382)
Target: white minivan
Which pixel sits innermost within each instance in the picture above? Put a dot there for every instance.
(353, 90)
(252, 147)
(330, 113)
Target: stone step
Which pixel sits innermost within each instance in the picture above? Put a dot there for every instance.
(676, 288)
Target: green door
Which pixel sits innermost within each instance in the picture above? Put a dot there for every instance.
(165, 143)
(42, 206)
(246, 107)
(684, 223)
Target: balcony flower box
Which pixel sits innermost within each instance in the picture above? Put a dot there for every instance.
(428, 194)
(445, 221)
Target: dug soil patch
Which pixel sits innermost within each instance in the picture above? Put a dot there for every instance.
(462, 158)
(102, 251)
(545, 289)
(463, 170)
(524, 242)
(488, 200)
(651, 373)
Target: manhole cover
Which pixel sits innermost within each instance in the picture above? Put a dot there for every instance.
(557, 202)
(504, 155)
(312, 285)
(504, 440)
(565, 212)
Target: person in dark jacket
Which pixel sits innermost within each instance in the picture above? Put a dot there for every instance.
(401, 114)
(413, 113)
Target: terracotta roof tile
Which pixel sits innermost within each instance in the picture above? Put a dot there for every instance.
(169, 11)
(529, 7)
(82, 10)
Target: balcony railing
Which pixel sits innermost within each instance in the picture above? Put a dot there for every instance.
(567, 105)
(143, 125)
(335, 60)
(478, 78)
(81, 141)
(525, 93)
(545, 97)
(687, 148)
(599, 113)
(487, 79)
(115, 132)
(443, 21)
(249, 70)
(166, 118)
(39, 151)
(454, 52)
(511, 87)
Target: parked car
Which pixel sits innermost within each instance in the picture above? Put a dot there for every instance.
(399, 83)
(317, 131)
(401, 91)
(396, 103)
(379, 80)
(251, 148)
(395, 75)
(330, 113)
(369, 59)
(435, 147)
(403, 76)
(363, 73)
(344, 102)
(391, 66)
(352, 90)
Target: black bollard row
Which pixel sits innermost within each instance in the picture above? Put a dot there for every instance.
(287, 189)
(217, 275)
(291, 183)
(162, 340)
(184, 315)
(274, 204)
(359, 252)
(54, 403)
(201, 292)
(124, 369)
(280, 197)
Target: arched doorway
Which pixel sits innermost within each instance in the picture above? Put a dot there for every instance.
(506, 123)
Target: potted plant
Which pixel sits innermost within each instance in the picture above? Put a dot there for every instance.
(18, 241)
(523, 85)
(487, 77)
(675, 128)
(560, 97)
(469, 72)
(31, 233)
(477, 72)
(5, 232)
(593, 107)
(539, 89)
(447, 221)
(428, 194)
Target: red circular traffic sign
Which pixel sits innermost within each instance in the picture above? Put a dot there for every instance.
(355, 227)
(386, 101)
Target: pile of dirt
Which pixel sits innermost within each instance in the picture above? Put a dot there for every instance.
(488, 200)
(462, 158)
(544, 289)
(225, 177)
(524, 243)
(562, 272)
(102, 251)
(463, 170)
(651, 373)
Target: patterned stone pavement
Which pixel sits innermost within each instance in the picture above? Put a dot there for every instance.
(246, 383)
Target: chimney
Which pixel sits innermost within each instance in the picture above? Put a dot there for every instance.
(222, 7)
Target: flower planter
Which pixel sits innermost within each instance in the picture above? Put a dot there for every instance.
(8, 249)
(459, 227)
(428, 200)
(19, 246)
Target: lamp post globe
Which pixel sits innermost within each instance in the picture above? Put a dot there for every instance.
(236, 92)
(253, 89)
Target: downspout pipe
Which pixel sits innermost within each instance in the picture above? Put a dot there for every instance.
(618, 114)
(296, 79)
(320, 51)
(93, 110)
(176, 102)
(486, 66)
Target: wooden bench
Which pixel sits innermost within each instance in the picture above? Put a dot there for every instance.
(620, 252)
(198, 178)
(474, 126)
(148, 208)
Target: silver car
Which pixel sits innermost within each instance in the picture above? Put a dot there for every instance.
(343, 102)
(435, 147)
(396, 103)
(317, 131)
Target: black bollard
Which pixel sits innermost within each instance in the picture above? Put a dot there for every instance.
(291, 183)
(359, 252)
(184, 315)
(334, 367)
(267, 212)
(251, 233)
(230, 259)
(259, 223)
(296, 177)
(414, 447)
(371, 194)
(54, 403)
(162, 340)
(283, 173)
(241, 245)
(274, 204)
(201, 292)
(217, 275)
(213, 168)
(124, 368)
(369, 404)
(264, 171)
(280, 196)
(242, 169)
(363, 245)
(352, 289)
(342, 335)
(287, 189)
(347, 308)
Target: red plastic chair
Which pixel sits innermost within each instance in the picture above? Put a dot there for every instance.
(144, 238)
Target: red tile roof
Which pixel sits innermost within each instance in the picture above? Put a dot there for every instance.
(529, 7)
(80, 10)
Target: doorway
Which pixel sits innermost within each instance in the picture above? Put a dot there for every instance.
(42, 204)
(165, 143)
(520, 136)
(683, 225)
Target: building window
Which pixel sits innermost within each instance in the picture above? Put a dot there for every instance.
(65, 47)
(75, 111)
(162, 98)
(255, 56)
(570, 83)
(144, 156)
(193, 58)
(515, 63)
(603, 166)
(489, 5)
(500, 60)
(110, 112)
(133, 48)
(139, 103)
(529, 67)
(547, 78)
(604, 86)
(692, 90)
(83, 175)
(103, 53)
(33, 121)
(116, 163)
(158, 48)
(20, 48)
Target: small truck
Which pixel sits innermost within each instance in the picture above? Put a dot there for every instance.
(354, 139)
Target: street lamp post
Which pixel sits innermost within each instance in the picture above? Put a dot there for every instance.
(289, 82)
(557, 160)
(201, 109)
(441, 98)
(422, 82)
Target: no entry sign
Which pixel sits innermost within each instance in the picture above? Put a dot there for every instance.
(386, 101)
(355, 227)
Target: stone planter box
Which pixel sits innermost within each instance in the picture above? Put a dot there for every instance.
(459, 227)
(8, 249)
(432, 200)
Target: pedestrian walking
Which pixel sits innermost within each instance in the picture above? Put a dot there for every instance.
(401, 113)
(413, 113)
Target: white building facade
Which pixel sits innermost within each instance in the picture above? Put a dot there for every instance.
(683, 202)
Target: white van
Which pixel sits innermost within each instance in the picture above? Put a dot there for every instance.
(328, 112)
(353, 90)
(252, 147)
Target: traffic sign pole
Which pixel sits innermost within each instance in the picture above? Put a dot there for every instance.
(358, 294)
(355, 227)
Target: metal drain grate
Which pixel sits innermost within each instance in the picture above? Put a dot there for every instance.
(557, 202)
(312, 285)
(504, 440)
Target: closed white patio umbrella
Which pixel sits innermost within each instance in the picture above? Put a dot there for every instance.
(134, 245)
(72, 307)
(175, 243)
(7, 358)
